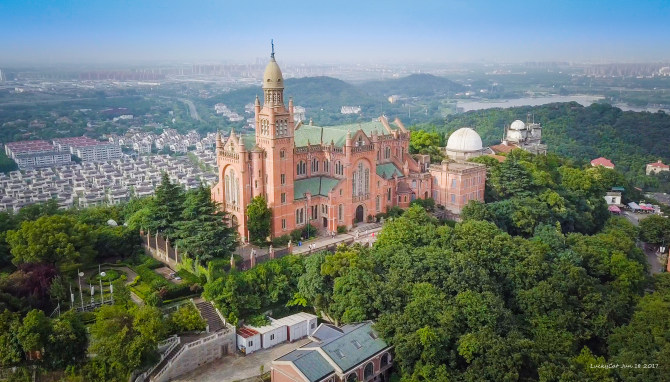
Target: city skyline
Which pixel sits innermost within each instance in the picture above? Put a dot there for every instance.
(42, 32)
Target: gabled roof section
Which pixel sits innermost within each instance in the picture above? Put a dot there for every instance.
(318, 185)
(338, 134)
(345, 352)
(387, 170)
(310, 363)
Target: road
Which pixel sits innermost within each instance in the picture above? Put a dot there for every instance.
(655, 265)
(192, 111)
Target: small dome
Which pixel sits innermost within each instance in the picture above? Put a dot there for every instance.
(272, 78)
(514, 136)
(517, 125)
(464, 140)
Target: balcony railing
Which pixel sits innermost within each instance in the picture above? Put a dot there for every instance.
(232, 207)
(363, 148)
(358, 198)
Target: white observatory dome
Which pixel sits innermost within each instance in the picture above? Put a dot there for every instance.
(517, 125)
(464, 140)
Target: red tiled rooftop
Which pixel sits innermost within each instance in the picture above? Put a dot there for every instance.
(502, 148)
(659, 164)
(602, 162)
(246, 332)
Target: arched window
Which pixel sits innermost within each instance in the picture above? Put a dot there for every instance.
(379, 155)
(369, 370)
(315, 165)
(228, 188)
(361, 180)
(387, 152)
(339, 168)
(385, 360)
(232, 192)
(352, 377)
(301, 168)
(282, 153)
(326, 166)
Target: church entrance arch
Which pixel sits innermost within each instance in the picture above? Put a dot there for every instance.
(359, 213)
(325, 222)
(233, 220)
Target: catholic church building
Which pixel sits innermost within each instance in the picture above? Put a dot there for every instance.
(329, 176)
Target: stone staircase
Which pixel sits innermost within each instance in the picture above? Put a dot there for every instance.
(209, 314)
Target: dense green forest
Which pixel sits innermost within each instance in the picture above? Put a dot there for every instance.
(629, 139)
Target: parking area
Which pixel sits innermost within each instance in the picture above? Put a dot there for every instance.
(169, 274)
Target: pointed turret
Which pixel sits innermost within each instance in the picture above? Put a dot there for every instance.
(219, 143)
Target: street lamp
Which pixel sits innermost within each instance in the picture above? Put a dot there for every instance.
(81, 295)
(102, 274)
(306, 213)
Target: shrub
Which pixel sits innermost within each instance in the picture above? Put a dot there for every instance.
(341, 229)
(281, 240)
(379, 216)
(394, 212)
(186, 319)
(258, 320)
(154, 299)
(296, 235)
(370, 219)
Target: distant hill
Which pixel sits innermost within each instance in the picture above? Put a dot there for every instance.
(311, 92)
(414, 85)
(322, 96)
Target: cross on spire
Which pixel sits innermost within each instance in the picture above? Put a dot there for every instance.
(272, 42)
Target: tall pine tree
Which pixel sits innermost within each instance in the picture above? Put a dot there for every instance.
(166, 207)
(203, 232)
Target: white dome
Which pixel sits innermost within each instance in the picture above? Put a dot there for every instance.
(517, 125)
(464, 140)
(514, 136)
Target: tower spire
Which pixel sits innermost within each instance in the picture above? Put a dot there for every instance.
(272, 43)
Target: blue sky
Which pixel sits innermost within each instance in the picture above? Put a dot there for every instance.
(57, 31)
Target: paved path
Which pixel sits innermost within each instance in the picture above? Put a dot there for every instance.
(235, 367)
(364, 234)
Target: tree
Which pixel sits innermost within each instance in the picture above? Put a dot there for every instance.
(67, 341)
(11, 351)
(125, 339)
(203, 231)
(423, 142)
(259, 220)
(644, 339)
(655, 229)
(34, 332)
(57, 240)
(185, 319)
(166, 207)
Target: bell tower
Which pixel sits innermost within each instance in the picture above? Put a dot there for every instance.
(274, 136)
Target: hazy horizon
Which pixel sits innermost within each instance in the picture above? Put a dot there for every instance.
(94, 32)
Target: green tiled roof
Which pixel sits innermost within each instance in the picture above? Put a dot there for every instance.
(318, 185)
(336, 134)
(310, 363)
(386, 170)
(356, 346)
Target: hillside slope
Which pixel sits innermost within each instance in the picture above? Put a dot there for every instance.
(414, 85)
(629, 139)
